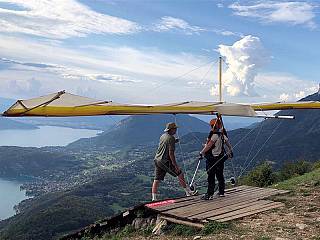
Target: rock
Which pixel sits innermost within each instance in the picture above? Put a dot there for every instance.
(197, 237)
(153, 221)
(137, 223)
(301, 226)
(279, 238)
(318, 219)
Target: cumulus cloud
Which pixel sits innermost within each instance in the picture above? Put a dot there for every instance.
(60, 19)
(168, 23)
(244, 58)
(294, 13)
(300, 94)
(284, 87)
(284, 97)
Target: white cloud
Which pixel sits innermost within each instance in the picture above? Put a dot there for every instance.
(244, 58)
(168, 23)
(60, 19)
(117, 69)
(220, 5)
(284, 97)
(284, 87)
(225, 32)
(214, 90)
(300, 94)
(294, 13)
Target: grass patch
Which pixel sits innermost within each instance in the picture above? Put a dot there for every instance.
(116, 208)
(214, 227)
(126, 232)
(182, 230)
(291, 184)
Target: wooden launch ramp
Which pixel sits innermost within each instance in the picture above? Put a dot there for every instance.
(238, 202)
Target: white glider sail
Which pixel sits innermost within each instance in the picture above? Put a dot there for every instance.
(63, 104)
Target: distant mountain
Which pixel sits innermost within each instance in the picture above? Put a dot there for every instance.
(232, 123)
(89, 122)
(141, 130)
(6, 124)
(289, 140)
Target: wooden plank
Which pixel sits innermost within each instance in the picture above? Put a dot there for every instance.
(204, 206)
(199, 201)
(192, 198)
(225, 209)
(230, 190)
(184, 222)
(273, 206)
(224, 203)
(249, 210)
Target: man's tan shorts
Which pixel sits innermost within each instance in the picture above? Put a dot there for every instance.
(162, 168)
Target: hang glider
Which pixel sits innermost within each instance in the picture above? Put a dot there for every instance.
(63, 104)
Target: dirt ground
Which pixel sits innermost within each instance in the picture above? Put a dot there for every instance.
(298, 219)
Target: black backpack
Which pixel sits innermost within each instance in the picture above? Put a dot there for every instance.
(208, 155)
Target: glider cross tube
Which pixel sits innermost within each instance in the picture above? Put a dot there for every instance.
(63, 104)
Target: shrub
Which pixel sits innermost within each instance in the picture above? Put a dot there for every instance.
(182, 230)
(290, 170)
(261, 176)
(316, 165)
(214, 227)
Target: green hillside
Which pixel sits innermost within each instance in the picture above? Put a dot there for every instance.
(141, 130)
(35, 162)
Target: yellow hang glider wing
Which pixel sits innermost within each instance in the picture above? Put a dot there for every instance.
(64, 104)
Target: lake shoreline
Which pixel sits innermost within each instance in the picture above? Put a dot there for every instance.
(14, 189)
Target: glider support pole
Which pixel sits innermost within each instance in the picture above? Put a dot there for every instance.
(220, 79)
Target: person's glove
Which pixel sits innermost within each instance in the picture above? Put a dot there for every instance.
(200, 156)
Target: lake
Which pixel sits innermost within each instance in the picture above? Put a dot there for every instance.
(10, 193)
(44, 136)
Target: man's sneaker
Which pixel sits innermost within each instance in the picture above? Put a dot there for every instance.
(221, 194)
(189, 192)
(207, 197)
(155, 197)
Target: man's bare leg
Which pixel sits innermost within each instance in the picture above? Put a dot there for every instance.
(154, 190)
(182, 181)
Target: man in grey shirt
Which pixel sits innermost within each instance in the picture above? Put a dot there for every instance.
(165, 161)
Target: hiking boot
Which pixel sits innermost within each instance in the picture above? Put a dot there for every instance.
(207, 197)
(217, 194)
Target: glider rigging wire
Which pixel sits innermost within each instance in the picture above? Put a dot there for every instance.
(180, 76)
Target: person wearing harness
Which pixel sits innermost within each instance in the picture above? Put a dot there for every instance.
(165, 161)
(215, 155)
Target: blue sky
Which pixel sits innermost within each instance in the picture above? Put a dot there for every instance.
(160, 51)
